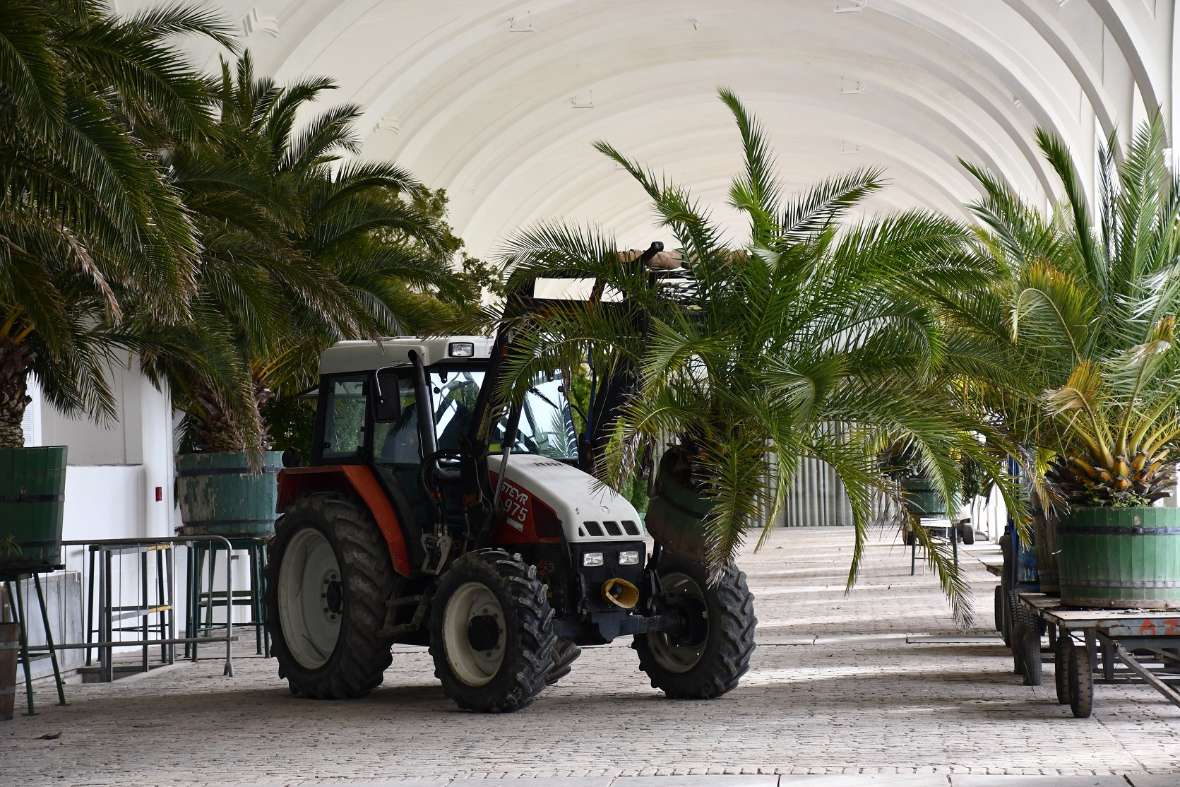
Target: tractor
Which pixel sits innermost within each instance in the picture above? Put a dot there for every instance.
(431, 512)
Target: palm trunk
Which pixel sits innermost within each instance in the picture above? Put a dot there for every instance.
(214, 430)
(14, 396)
(219, 430)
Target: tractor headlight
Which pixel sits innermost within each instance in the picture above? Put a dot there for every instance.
(629, 558)
(461, 349)
(591, 559)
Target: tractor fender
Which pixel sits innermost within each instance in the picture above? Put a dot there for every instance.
(359, 480)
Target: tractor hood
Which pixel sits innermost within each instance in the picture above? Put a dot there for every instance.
(588, 510)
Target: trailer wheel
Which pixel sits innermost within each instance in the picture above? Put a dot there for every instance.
(710, 655)
(1011, 622)
(998, 613)
(1081, 683)
(1027, 642)
(565, 653)
(1062, 654)
(491, 632)
(329, 578)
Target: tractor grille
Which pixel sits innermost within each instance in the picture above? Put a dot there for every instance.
(611, 528)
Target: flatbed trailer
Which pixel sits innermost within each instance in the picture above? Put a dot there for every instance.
(1086, 642)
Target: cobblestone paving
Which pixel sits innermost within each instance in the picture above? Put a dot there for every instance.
(834, 688)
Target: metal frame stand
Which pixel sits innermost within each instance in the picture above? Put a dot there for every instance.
(201, 602)
(104, 550)
(18, 609)
(928, 524)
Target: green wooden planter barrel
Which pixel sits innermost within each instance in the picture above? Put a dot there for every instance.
(32, 504)
(922, 498)
(676, 507)
(219, 496)
(1115, 558)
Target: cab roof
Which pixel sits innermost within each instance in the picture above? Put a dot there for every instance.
(364, 356)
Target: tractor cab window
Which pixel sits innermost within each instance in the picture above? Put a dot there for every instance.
(395, 435)
(545, 427)
(455, 392)
(344, 418)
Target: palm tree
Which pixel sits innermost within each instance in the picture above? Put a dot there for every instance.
(86, 212)
(816, 338)
(1086, 315)
(300, 249)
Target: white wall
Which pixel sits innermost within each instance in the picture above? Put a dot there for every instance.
(109, 442)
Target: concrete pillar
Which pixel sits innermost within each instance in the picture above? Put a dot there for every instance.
(156, 439)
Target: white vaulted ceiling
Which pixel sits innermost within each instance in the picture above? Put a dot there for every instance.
(499, 101)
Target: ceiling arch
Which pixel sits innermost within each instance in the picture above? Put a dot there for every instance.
(497, 101)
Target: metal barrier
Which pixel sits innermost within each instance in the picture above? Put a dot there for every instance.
(106, 550)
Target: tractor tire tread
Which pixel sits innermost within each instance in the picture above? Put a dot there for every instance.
(565, 653)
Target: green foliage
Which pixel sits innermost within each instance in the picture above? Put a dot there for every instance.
(1084, 364)
(88, 219)
(10, 547)
(816, 338)
(300, 249)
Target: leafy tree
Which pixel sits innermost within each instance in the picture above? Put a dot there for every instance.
(301, 249)
(817, 338)
(87, 214)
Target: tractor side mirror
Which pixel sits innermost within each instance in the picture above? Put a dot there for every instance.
(387, 402)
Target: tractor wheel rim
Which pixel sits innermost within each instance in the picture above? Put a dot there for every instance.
(311, 600)
(473, 606)
(681, 652)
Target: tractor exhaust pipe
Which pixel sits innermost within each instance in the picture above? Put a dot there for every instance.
(621, 593)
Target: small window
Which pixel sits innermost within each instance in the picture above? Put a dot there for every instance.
(344, 425)
(396, 439)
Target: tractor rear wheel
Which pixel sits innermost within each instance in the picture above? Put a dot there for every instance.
(708, 657)
(491, 632)
(329, 579)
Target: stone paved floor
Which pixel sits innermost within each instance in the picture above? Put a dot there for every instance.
(834, 688)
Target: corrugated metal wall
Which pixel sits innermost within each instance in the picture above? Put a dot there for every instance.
(817, 499)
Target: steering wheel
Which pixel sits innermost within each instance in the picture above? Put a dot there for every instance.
(431, 469)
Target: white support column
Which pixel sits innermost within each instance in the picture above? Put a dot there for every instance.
(31, 423)
(156, 436)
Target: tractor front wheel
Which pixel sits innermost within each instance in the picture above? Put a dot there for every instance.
(491, 632)
(329, 579)
(565, 654)
(707, 656)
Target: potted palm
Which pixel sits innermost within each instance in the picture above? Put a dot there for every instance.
(86, 216)
(1119, 549)
(299, 250)
(918, 492)
(1083, 367)
(813, 339)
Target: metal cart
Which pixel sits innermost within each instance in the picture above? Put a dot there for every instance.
(1132, 646)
